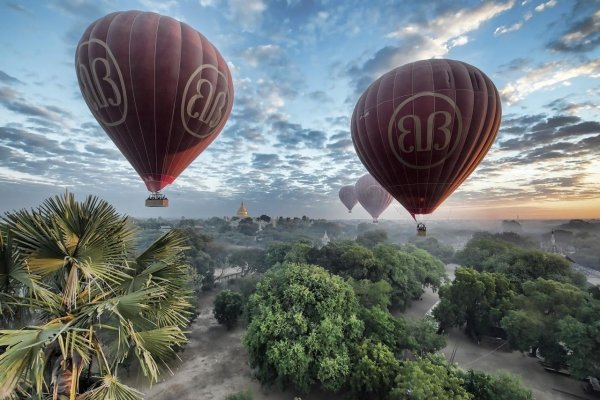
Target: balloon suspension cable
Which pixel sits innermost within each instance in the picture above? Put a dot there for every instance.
(157, 199)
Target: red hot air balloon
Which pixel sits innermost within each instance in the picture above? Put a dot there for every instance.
(372, 196)
(348, 197)
(422, 128)
(161, 91)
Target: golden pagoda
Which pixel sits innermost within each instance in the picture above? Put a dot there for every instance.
(242, 211)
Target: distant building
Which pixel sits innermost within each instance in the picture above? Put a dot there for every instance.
(165, 228)
(242, 211)
(325, 239)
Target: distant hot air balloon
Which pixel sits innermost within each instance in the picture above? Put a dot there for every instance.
(348, 196)
(161, 91)
(422, 128)
(374, 198)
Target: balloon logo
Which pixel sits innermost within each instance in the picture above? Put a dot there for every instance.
(348, 197)
(422, 129)
(374, 198)
(160, 90)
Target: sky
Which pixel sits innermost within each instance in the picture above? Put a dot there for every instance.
(299, 66)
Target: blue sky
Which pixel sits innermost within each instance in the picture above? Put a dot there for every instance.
(298, 68)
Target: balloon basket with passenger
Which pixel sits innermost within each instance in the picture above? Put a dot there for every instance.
(421, 229)
(157, 199)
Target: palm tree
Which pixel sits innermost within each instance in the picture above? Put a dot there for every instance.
(80, 303)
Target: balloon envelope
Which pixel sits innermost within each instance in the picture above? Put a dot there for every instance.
(161, 90)
(374, 198)
(422, 128)
(348, 196)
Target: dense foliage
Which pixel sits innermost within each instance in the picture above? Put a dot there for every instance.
(301, 320)
(503, 386)
(477, 299)
(78, 296)
(227, 308)
(534, 298)
(426, 379)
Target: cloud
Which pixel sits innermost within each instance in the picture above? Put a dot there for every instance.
(563, 105)
(81, 9)
(502, 29)
(582, 36)
(246, 13)
(159, 6)
(268, 54)
(294, 136)
(265, 161)
(547, 5)
(429, 38)
(14, 101)
(19, 8)
(6, 78)
(547, 76)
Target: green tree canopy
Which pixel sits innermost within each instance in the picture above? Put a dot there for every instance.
(534, 323)
(581, 335)
(228, 307)
(426, 379)
(503, 386)
(479, 299)
(302, 323)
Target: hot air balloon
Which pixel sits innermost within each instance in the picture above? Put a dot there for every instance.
(160, 90)
(374, 198)
(348, 197)
(422, 128)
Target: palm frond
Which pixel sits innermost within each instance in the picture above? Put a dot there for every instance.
(24, 354)
(110, 388)
(38, 241)
(156, 345)
(168, 245)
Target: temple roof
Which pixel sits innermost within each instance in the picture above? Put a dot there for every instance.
(242, 211)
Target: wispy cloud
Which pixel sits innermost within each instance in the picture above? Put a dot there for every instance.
(502, 29)
(583, 35)
(432, 38)
(544, 6)
(547, 76)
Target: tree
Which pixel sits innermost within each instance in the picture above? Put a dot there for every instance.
(372, 293)
(517, 258)
(581, 335)
(479, 299)
(434, 247)
(534, 322)
(97, 305)
(503, 386)
(251, 260)
(248, 227)
(408, 269)
(302, 324)
(265, 218)
(227, 308)
(426, 379)
(423, 338)
(372, 238)
(383, 327)
(373, 371)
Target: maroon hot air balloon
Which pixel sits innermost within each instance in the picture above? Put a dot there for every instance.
(348, 197)
(422, 128)
(161, 91)
(374, 198)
